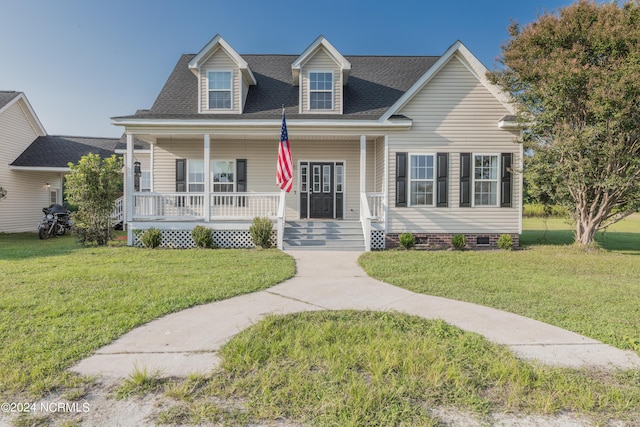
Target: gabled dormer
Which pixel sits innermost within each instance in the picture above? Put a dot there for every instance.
(223, 78)
(321, 72)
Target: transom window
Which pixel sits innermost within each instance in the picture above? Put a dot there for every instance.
(223, 175)
(320, 91)
(421, 180)
(219, 89)
(485, 180)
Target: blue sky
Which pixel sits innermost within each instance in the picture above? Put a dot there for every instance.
(81, 62)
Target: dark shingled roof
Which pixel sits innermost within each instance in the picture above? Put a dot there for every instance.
(138, 144)
(375, 84)
(6, 96)
(58, 151)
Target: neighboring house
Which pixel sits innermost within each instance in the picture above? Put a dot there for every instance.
(387, 144)
(33, 164)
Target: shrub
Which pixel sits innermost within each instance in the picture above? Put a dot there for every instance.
(202, 236)
(261, 230)
(505, 242)
(407, 240)
(459, 241)
(151, 238)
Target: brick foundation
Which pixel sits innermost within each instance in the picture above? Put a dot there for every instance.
(443, 240)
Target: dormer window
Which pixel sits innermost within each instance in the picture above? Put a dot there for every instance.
(320, 90)
(220, 96)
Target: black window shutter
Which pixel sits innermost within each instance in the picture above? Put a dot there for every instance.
(401, 180)
(465, 180)
(442, 200)
(506, 180)
(181, 175)
(241, 175)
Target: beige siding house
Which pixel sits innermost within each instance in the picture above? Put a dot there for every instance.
(381, 145)
(33, 164)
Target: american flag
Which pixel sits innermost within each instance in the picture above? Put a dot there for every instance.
(284, 172)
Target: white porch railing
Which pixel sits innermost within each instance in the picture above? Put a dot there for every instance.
(376, 206)
(238, 206)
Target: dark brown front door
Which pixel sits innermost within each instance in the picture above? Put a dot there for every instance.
(321, 190)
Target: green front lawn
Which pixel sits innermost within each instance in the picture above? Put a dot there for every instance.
(59, 302)
(360, 368)
(595, 293)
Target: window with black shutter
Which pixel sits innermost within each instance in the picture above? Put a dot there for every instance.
(506, 180)
(401, 180)
(465, 180)
(442, 184)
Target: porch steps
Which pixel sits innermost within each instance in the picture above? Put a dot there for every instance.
(323, 235)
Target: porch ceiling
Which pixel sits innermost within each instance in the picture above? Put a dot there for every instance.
(306, 136)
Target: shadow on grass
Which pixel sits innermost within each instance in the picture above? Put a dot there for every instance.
(16, 246)
(610, 240)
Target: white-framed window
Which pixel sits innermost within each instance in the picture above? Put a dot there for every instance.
(223, 175)
(304, 177)
(485, 180)
(220, 90)
(320, 90)
(339, 178)
(53, 196)
(422, 174)
(195, 176)
(145, 181)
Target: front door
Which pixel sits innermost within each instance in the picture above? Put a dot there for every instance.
(321, 191)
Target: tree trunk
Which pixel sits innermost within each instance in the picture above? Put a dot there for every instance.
(585, 231)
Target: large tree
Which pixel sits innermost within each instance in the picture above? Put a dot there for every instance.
(93, 184)
(575, 77)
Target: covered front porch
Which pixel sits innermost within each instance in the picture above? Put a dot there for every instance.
(344, 174)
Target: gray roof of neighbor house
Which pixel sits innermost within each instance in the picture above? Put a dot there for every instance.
(138, 144)
(6, 96)
(57, 151)
(375, 84)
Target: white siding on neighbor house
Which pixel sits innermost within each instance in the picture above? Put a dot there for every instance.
(261, 165)
(27, 192)
(454, 113)
(220, 61)
(321, 61)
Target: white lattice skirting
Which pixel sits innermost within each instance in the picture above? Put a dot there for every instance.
(181, 239)
(377, 239)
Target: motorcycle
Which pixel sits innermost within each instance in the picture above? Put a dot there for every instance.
(55, 221)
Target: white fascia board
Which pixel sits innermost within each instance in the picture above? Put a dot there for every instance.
(216, 42)
(473, 65)
(39, 168)
(239, 124)
(34, 118)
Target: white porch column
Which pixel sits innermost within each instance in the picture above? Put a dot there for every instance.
(363, 163)
(207, 177)
(385, 184)
(129, 188)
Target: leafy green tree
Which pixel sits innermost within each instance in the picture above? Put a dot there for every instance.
(575, 77)
(3, 193)
(93, 184)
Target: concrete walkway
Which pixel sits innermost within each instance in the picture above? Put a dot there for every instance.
(188, 341)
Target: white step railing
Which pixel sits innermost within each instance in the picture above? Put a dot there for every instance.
(376, 206)
(117, 215)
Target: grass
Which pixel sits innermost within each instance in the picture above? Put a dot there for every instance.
(60, 302)
(350, 368)
(595, 293)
